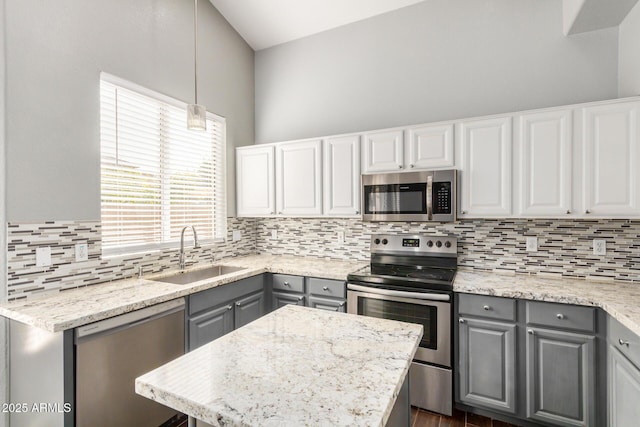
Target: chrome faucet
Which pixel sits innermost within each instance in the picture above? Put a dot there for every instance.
(195, 243)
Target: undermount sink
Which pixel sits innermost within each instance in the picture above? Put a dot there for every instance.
(186, 277)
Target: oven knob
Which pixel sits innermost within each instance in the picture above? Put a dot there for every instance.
(385, 241)
(377, 241)
(439, 244)
(447, 244)
(430, 243)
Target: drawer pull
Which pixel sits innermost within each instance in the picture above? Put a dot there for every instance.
(325, 288)
(300, 298)
(287, 284)
(623, 342)
(560, 316)
(460, 320)
(238, 303)
(341, 304)
(229, 307)
(487, 308)
(530, 331)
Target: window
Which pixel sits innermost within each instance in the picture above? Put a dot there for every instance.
(157, 176)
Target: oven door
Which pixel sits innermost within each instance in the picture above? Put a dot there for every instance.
(432, 311)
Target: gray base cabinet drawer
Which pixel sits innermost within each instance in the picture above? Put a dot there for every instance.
(487, 306)
(280, 299)
(327, 287)
(328, 304)
(627, 342)
(562, 316)
(286, 282)
(215, 296)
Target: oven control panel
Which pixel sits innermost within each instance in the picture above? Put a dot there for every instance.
(414, 244)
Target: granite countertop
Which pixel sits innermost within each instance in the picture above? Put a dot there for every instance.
(620, 299)
(262, 374)
(76, 307)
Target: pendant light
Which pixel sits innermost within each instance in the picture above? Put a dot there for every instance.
(196, 114)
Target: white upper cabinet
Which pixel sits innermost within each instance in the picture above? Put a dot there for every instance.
(611, 160)
(542, 172)
(383, 151)
(483, 150)
(299, 178)
(342, 176)
(255, 181)
(430, 147)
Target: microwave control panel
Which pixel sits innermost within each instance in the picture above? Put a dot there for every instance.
(442, 196)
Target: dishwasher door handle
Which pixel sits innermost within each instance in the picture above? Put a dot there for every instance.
(129, 319)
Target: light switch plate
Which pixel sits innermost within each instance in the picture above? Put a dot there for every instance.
(43, 256)
(82, 252)
(236, 235)
(532, 244)
(599, 247)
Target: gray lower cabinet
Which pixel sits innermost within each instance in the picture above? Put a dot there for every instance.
(528, 360)
(324, 294)
(218, 311)
(623, 368)
(487, 364)
(561, 377)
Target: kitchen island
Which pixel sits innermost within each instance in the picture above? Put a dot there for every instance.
(295, 366)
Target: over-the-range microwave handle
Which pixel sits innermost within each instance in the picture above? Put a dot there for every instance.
(430, 197)
(401, 294)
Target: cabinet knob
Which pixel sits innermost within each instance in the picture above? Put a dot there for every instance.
(272, 213)
(286, 284)
(325, 288)
(568, 211)
(280, 213)
(411, 166)
(487, 308)
(623, 342)
(463, 212)
(300, 298)
(560, 316)
(357, 212)
(238, 304)
(229, 307)
(530, 331)
(460, 320)
(341, 304)
(587, 211)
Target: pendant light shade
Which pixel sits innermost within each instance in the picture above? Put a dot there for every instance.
(196, 114)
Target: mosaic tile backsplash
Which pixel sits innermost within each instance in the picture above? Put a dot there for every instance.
(564, 248)
(25, 278)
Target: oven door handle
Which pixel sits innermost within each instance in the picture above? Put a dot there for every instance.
(402, 294)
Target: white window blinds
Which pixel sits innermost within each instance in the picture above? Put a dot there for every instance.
(157, 176)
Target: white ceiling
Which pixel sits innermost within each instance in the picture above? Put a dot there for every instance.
(266, 23)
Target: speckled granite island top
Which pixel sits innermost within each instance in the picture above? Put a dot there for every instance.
(76, 307)
(296, 366)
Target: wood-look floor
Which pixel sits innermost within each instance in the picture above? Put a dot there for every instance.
(422, 418)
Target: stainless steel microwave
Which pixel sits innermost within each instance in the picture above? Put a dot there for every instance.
(410, 196)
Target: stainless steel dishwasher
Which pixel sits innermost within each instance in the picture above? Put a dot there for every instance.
(110, 354)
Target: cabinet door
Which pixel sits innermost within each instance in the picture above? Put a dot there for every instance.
(487, 357)
(299, 178)
(383, 151)
(248, 309)
(280, 299)
(484, 150)
(328, 304)
(611, 160)
(342, 176)
(210, 325)
(430, 146)
(560, 370)
(544, 145)
(255, 181)
(623, 390)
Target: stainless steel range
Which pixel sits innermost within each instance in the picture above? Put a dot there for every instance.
(410, 278)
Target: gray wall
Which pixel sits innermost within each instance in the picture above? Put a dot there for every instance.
(629, 68)
(55, 52)
(436, 60)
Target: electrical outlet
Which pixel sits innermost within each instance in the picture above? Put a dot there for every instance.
(236, 235)
(599, 247)
(82, 252)
(532, 244)
(340, 236)
(274, 234)
(43, 256)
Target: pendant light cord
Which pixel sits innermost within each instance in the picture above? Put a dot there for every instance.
(195, 44)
